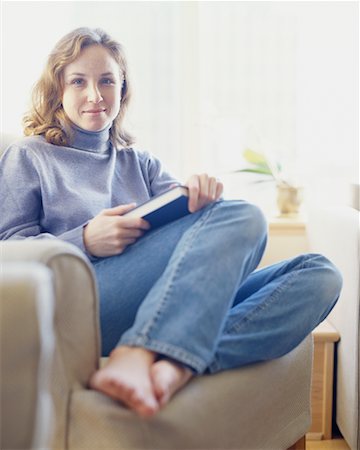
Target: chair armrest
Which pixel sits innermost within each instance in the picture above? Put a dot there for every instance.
(76, 302)
(334, 231)
(27, 347)
(76, 321)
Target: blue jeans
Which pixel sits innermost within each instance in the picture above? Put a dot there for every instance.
(190, 291)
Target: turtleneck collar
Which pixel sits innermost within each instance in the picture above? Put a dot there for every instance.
(91, 141)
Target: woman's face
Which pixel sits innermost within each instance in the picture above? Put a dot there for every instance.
(92, 89)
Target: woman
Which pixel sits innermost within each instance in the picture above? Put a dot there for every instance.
(175, 302)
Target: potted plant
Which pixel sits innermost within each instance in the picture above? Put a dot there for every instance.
(289, 194)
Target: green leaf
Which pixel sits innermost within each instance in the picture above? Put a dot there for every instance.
(254, 157)
(259, 170)
(262, 166)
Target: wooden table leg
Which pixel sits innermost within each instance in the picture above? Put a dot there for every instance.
(299, 445)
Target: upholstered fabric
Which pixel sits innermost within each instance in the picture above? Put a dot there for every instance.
(76, 319)
(334, 231)
(262, 406)
(5, 140)
(27, 344)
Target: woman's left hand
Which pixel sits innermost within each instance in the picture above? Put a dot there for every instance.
(203, 190)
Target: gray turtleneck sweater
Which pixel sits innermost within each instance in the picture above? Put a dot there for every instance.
(50, 191)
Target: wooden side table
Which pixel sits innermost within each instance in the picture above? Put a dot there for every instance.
(287, 238)
(325, 337)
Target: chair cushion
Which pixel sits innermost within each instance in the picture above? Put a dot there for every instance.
(5, 140)
(264, 405)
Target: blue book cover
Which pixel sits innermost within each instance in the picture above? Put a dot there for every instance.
(163, 208)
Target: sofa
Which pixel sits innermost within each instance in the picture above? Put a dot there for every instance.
(333, 230)
(264, 406)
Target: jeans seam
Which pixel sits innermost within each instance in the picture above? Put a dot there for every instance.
(238, 325)
(214, 366)
(167, 288)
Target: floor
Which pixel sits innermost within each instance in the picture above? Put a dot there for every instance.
(334, 444)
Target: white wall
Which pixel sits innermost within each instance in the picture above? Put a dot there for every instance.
(327, 99)
(211, 78)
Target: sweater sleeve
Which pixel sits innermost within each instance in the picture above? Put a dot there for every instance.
(159, 178)
(21, 200)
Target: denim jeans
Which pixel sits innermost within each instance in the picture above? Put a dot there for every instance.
(190, 291)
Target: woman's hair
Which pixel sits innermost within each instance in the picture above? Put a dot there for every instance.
(47, 116)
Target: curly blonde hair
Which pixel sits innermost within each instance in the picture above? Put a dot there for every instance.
(47, 116)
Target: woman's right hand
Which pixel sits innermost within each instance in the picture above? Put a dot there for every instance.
(108, 233)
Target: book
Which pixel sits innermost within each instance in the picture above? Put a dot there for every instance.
(163, 208)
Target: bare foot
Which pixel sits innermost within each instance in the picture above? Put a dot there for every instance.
(126, 377)
(168, 377)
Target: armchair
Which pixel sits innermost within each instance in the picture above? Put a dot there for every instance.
(264, 406)
(261, 406)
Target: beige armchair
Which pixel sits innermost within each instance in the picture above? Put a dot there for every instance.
(27, 345)
(261, 406)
